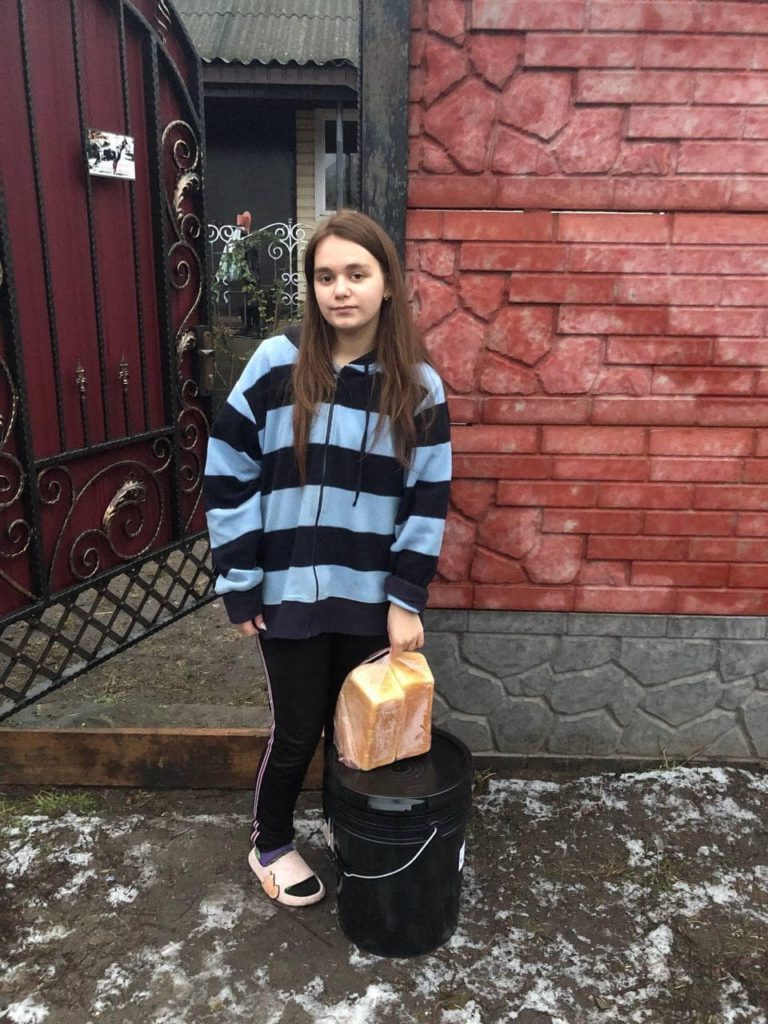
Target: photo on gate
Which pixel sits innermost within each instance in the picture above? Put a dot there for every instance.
(109, 155)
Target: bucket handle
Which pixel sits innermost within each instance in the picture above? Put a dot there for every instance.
(351, 874)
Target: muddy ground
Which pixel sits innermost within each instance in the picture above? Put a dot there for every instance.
(587, 898)
(604, 899)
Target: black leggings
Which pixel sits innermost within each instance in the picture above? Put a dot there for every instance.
(303, 679)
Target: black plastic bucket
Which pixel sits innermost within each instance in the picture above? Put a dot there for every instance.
(397, 835)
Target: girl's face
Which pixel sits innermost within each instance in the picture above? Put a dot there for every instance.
(349, 287)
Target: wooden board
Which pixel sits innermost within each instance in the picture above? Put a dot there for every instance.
(147, 758)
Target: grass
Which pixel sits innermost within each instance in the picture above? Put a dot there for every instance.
(56, 802)
(248, 700)
(454, 999)
(664, 875)
(603, 870)
(8, 811)
(668, 764)
(108, 694)
(480, 785)
(51, 803)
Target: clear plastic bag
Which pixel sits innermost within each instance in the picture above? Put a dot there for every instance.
(384, 711)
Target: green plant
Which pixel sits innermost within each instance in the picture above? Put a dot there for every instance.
(670, 764)
(55, 802)
(8, 812)
(664, 875)
(481, 781)
(228, 360)
(239, 265)
(107, 694)
(52, 803)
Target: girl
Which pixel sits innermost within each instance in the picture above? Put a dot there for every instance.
(326, 492)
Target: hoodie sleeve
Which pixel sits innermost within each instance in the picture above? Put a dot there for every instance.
(424, 504)
(232, 492)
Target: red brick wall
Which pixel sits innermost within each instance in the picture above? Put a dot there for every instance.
(608, 370)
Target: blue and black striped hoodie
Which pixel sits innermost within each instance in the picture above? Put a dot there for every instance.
(362, 532)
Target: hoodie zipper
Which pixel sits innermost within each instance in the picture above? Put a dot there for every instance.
(322, 481)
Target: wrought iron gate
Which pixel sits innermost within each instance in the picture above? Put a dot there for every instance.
(103, 407)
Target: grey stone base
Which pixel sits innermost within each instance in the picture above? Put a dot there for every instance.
(558, 684)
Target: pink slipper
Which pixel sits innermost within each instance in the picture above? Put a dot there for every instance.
(286, 873)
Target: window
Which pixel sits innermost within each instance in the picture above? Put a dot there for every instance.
(325, 161)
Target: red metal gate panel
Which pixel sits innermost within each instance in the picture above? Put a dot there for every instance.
(102, 422)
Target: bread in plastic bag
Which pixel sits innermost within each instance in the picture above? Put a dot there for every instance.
(384, 711)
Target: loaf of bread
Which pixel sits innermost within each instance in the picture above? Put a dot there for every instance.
(413, 674)
(384, 711)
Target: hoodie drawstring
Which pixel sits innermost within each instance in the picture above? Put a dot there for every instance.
(364, 441)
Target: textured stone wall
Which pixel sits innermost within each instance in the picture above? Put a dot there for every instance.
(589, 104)
(613, 686)
(607, 369)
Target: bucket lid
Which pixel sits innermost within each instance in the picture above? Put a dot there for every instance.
(427, 782)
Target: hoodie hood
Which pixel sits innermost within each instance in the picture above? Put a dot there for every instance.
(365, 363)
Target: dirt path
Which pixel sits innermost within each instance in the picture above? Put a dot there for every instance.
(198, 671)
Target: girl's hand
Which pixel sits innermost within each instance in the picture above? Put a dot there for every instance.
(252, 626)
(406, 632)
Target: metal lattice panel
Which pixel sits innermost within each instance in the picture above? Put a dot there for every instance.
(40, 653)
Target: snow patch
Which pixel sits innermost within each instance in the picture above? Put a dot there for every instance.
(736, 1007)
(310, 829)
(140, 856)
(358, 958)
(657, 947)
(53, 934)
(113, 981)
(356, 1009)
(120, 894)
(26, 1012)
(461, 940)
(542, 997)
(531, 793)
(469, 1014)
(222, 909)
(75, 884)
(18, 859)
(727, 889)
(638, 857)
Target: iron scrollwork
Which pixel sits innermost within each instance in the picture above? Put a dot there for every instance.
(179, 141)
(130, 493)
(186, 271)
(127, 530)
(289, 243)
(163, 16)
(16, 536)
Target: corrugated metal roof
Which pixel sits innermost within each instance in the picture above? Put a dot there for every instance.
(285, 31)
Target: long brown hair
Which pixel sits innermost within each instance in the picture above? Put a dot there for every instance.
(398, 346)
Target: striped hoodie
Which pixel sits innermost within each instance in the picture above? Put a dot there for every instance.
(363, 532)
